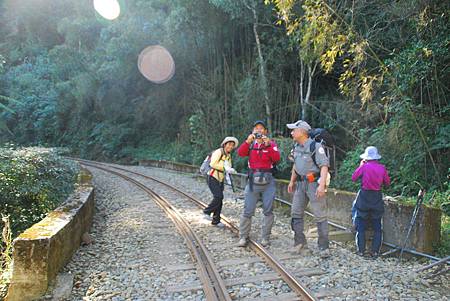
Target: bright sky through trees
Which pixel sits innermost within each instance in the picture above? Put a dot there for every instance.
(108, 9)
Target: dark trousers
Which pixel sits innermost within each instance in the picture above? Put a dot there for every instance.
(215, 207)
(361, 225)
(369, 208)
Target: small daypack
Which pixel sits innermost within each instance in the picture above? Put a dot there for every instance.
(206, 165)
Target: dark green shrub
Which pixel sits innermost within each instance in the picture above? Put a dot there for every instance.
(33, 181)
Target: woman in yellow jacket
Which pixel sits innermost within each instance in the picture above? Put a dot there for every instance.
(220, 165)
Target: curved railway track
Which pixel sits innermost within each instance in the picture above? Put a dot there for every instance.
(213, 284)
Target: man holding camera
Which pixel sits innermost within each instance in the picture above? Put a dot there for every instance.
(308, 183)
(263, 155)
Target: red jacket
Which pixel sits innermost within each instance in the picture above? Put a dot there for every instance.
(261, 156)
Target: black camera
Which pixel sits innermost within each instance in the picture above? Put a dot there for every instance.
(258, 135)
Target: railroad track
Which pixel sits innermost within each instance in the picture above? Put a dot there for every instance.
(214, 286)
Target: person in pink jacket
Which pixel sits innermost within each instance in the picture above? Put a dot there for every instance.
(369, 204)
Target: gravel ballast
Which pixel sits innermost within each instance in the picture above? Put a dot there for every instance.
(134, 244)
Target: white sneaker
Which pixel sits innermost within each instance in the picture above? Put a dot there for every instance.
(265, 242)
(242, 242)
(220, 225)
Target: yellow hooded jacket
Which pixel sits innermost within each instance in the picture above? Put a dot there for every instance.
(218, 158)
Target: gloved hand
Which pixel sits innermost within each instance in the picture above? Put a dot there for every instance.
(230, 170)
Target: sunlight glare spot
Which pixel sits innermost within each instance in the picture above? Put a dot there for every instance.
(156, 64)
(108, 9)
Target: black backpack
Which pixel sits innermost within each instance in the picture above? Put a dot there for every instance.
(323, 137)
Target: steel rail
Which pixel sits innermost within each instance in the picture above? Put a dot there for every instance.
(213, 284)
(267, 256)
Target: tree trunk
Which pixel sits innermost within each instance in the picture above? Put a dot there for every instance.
(225, 96)
(262, 70)
(305, 100)
(302, 114)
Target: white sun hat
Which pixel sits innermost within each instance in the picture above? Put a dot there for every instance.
(371, 153)
(230, 139)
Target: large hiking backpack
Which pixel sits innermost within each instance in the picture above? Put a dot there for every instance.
(324, 137)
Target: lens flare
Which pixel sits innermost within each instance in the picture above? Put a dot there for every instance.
(108, 9)
(156, 64)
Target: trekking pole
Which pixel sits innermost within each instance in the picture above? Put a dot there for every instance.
(231, 184)
(419, 202)
(230, 180)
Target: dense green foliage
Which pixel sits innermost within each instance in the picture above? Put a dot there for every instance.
(374, 73)
(33, 182)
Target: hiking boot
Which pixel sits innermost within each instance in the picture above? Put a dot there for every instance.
(301, 249)
(219, 224)
(265, 242)
(324, 253)
(374, 255)
(363, 254)
(242, 242)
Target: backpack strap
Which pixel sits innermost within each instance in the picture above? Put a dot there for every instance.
(312, 149)
(222, 153)
(252, 146)
(259, 150)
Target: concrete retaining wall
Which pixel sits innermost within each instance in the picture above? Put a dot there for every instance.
(42, 250)
(396, 220)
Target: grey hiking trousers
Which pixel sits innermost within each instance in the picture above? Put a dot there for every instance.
(267, 194)
(306, 193)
